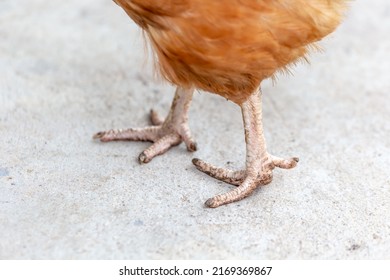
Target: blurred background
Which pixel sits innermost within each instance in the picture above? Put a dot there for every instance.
(71, 68)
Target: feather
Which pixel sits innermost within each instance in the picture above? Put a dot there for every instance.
(229, 47)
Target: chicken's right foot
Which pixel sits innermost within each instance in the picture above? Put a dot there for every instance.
(163, 134)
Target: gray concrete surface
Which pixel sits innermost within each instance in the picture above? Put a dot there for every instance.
(71, 68)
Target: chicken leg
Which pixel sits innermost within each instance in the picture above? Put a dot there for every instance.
(259, 163)
(163, 134)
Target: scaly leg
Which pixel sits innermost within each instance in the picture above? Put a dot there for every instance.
(163, 134)
(259, 163)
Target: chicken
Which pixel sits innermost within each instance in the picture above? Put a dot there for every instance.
(227, 48)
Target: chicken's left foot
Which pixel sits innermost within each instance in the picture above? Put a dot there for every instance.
(247, 182)
(259, 163)
(237, 177)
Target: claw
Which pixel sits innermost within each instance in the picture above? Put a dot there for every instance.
(142, 158)
(155, 119)
(98, 135)
(192, 146)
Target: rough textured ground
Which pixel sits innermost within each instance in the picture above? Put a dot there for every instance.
(71, 68)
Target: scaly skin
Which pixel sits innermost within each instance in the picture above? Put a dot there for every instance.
(174, 130)
(259, 163)
(163, 134)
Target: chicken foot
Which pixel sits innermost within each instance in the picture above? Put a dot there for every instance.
(164, 134)
(259, 163)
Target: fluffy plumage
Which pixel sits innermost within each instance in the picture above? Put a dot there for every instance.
(229, 46)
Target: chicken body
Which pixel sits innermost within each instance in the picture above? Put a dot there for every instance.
(227, 48)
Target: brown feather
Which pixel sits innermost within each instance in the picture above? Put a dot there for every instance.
(229, 46)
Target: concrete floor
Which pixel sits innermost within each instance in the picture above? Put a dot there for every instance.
(71, 68)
